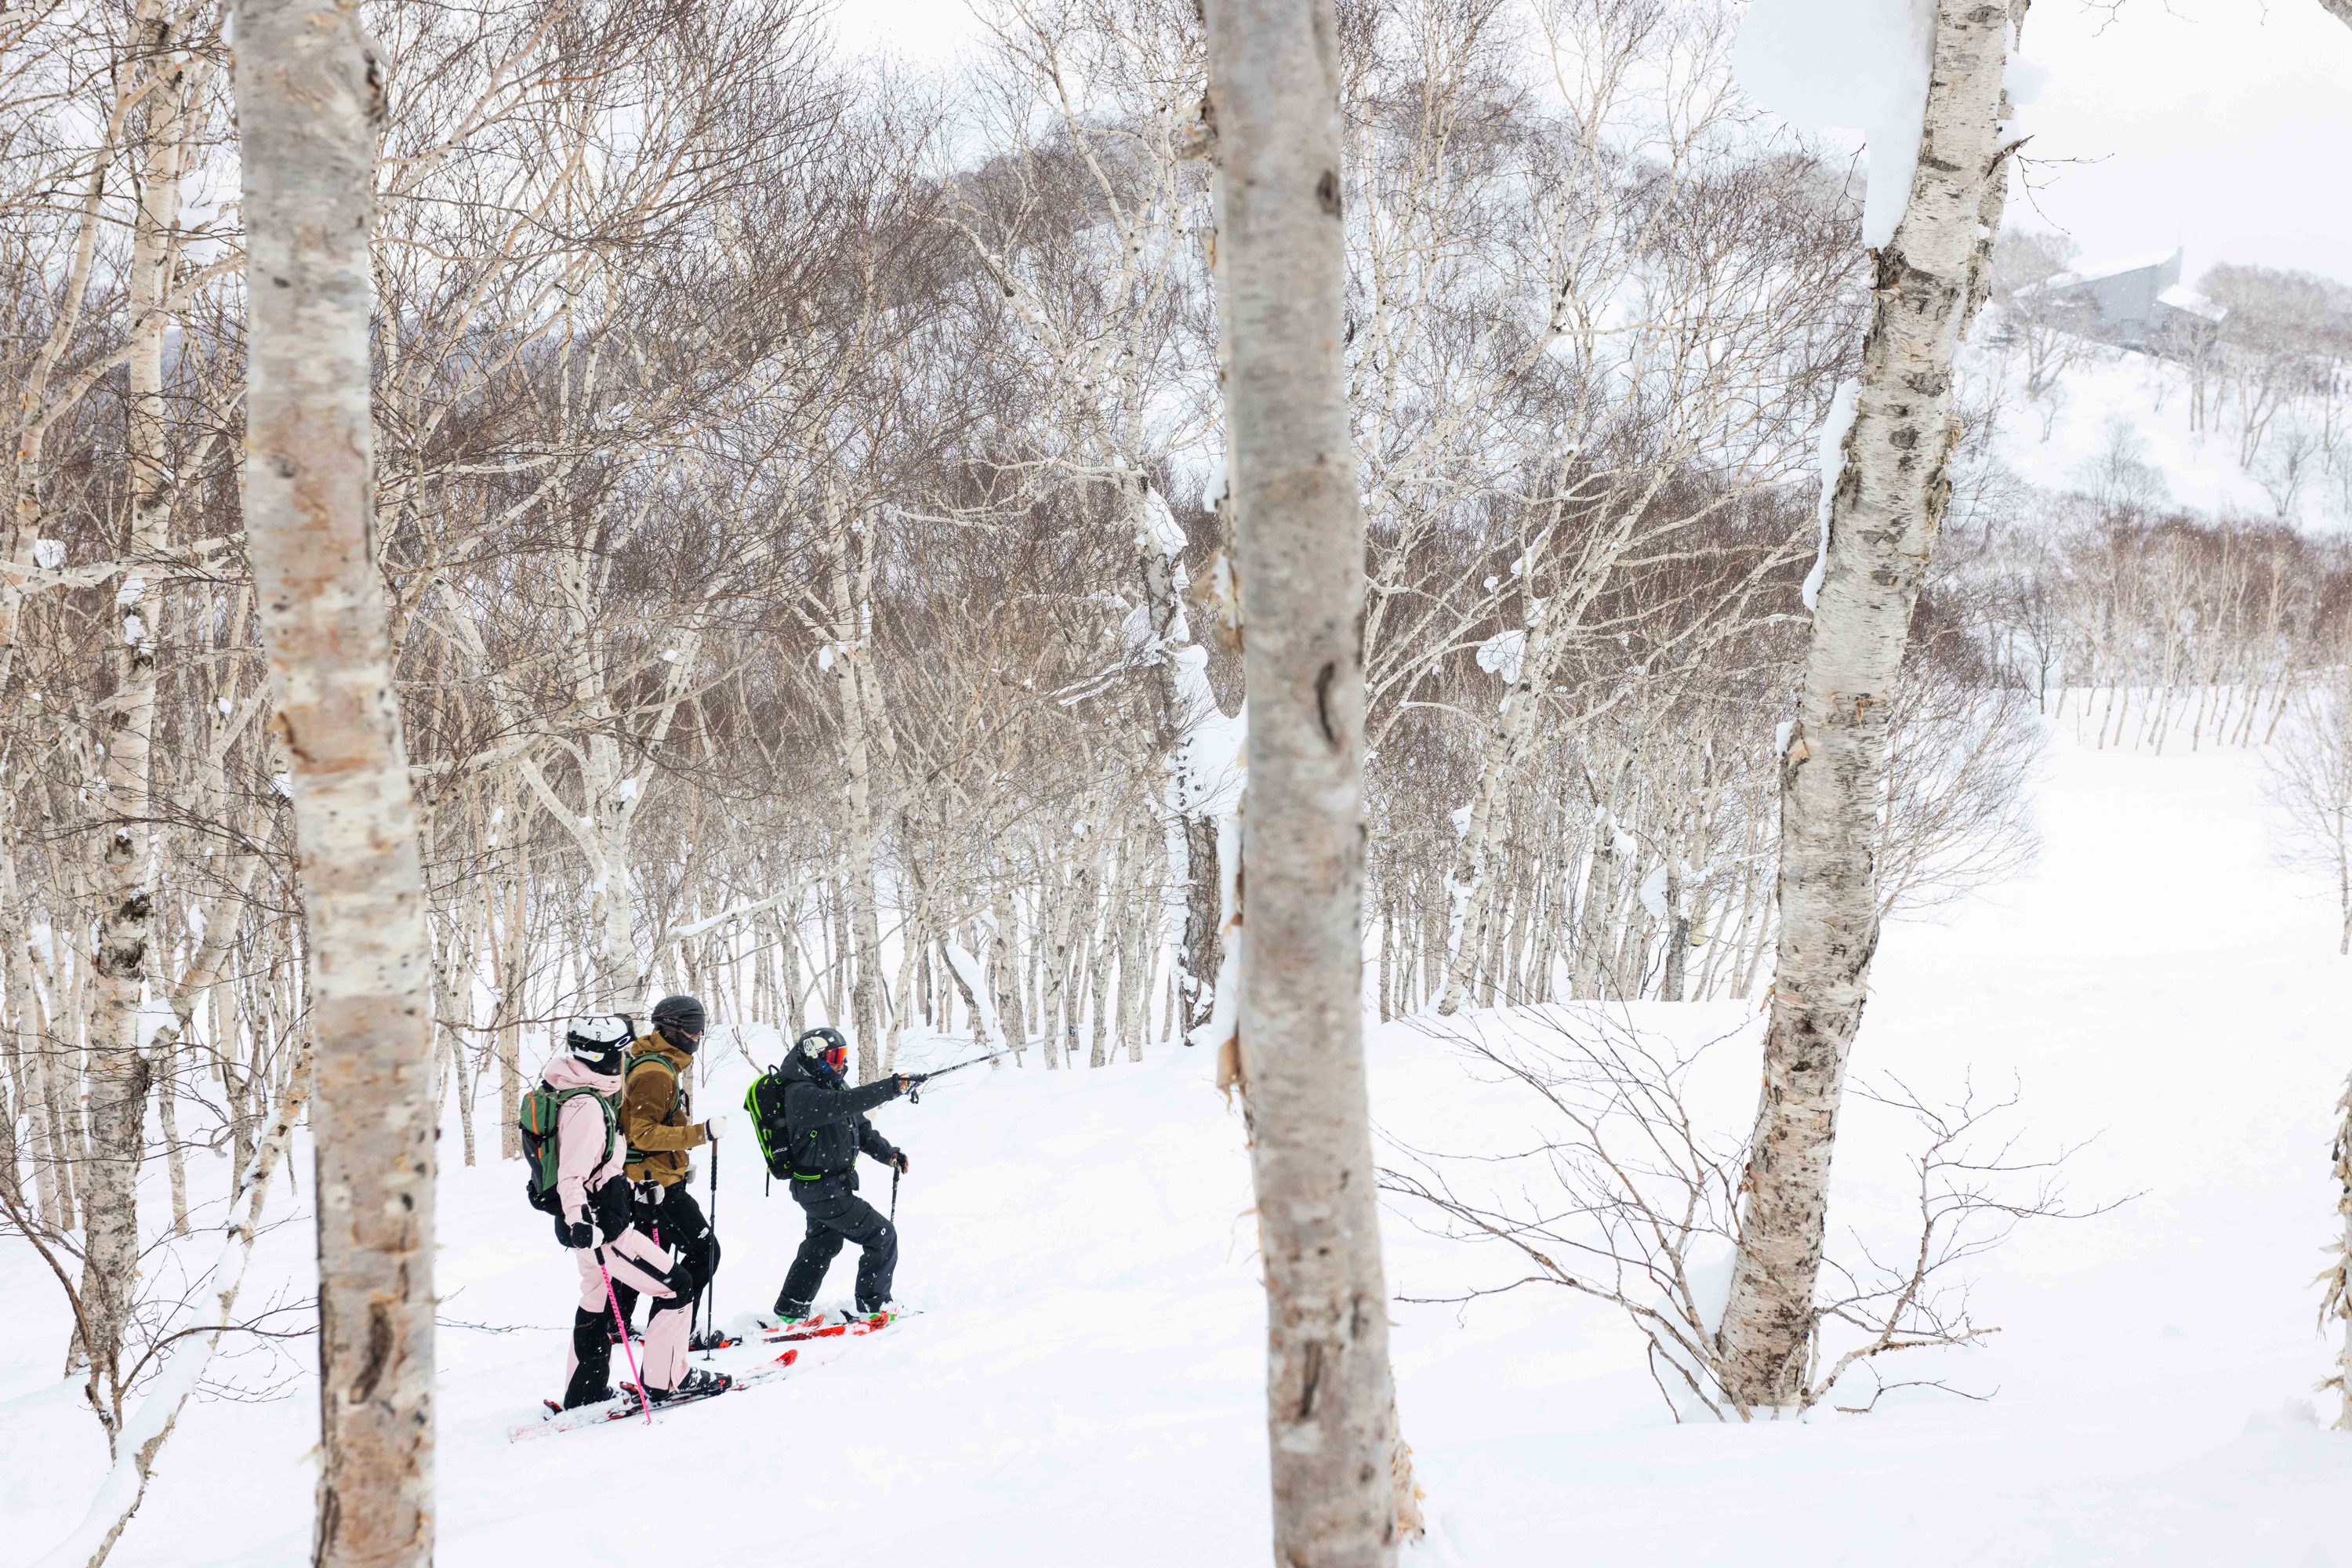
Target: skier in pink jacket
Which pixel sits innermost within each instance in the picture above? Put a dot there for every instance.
(593, 1220)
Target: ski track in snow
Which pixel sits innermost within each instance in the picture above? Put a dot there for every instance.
(1083, 1385)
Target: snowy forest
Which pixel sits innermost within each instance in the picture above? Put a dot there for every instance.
(705, 508)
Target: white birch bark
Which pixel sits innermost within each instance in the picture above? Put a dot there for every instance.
(24, 1006)
(1885, 512)
(309, 102)
(222, 917)
(1190, 765)
(1274, 107)
(848, 612)
(1115, 355)
(121, 1073)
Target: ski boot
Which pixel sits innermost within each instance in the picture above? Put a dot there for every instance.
(698, 1383)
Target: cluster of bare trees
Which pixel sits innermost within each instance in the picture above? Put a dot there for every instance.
(818, 517)
(2266, 354)
(2142, 627)
(2278, 379)
(1629, 1196)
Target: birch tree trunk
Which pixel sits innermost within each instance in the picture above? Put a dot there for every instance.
(120, 1074)
(850, 568)
(612, 815)
(34, 1048)
(1184, 695)
(510, 961)
(309, 101)
(1274, 106)
(1885, 512)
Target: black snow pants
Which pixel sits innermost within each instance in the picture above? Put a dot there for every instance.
(835, 1215)
(592, 1348)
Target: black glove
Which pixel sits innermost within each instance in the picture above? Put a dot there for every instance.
(610, 1205)
(578, 1235)
(898, 1159)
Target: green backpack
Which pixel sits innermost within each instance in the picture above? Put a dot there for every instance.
(541, 1109)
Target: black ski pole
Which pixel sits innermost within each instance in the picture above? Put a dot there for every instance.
(711, 1286)
(895, 1174)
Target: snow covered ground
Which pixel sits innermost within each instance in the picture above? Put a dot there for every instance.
(2148, 398)
(1082, 1385)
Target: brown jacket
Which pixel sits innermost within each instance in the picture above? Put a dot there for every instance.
(655, 1115)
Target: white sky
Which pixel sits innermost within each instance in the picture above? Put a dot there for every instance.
(2223, 125)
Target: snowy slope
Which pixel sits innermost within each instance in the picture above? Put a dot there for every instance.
(2149, 399)
(1082, 1385)
(2155, 982)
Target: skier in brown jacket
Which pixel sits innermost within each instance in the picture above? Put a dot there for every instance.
(657, 1118)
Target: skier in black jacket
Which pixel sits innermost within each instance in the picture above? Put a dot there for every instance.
(826, 1127)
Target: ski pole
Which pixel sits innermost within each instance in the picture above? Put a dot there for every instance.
(711, 1286)
(894, 1174)
(916, 1081)
(622, 1324)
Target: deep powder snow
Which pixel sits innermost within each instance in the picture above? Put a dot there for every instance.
(1083, 1384)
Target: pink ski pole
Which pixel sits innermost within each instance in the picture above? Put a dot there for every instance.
(621, 1325)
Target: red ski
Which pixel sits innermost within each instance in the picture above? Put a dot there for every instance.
(829, 1326)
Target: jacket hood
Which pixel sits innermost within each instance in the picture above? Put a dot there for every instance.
(797, 1069)
(571, 1072)
(654, 1045)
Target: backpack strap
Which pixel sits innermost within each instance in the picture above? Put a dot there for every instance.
(763, 1101)
(676, 1091)
(604, 1104)
(545, 1140)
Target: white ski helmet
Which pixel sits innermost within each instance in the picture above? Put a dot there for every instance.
(600, 1041)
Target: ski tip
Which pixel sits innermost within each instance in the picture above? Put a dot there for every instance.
(788, 1358)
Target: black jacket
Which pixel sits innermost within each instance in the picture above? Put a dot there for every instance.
(824, 1121)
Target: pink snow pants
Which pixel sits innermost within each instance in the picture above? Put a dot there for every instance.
(663, 1355)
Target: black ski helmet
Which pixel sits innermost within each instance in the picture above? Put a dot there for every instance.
(822, 1044)
(681, 1020)
(599, 1042)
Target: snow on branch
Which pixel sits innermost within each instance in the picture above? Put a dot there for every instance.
(1847, 65)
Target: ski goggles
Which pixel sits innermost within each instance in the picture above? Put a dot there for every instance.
(600, 1030)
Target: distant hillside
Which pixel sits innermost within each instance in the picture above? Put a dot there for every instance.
(2232, 398)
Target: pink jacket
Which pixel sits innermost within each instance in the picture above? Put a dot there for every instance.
(584, 1160)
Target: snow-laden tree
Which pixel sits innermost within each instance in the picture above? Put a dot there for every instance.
(1886, 486)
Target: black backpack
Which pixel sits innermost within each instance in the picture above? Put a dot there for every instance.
(764, 1103)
